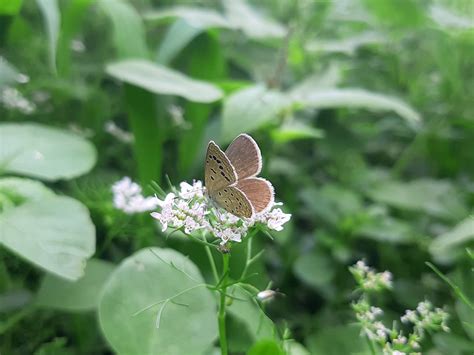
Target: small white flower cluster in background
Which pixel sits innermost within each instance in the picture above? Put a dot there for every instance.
(370, 280)
(12, 99)
(115, 131)
(127, 196)
(392, 341)
(190, 210)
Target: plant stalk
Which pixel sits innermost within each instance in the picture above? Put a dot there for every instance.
(222, 305)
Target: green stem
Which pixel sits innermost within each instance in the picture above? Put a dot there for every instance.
(249, 257)
(222, 304)
(371, 345)
(211, 258)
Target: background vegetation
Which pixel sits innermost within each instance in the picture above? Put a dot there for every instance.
(363, 111)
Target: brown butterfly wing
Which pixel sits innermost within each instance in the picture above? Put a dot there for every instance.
(233, 201)
(218, 172)
(259, 192)
(245, 156)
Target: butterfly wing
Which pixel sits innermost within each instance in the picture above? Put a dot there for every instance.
(259, 192)
(218, 172)
(245, 156)
(233, 201)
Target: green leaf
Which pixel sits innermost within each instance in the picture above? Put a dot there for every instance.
(253, 23)
(187, 323)
(294, 348)
(81, 295)
(437, 198)
(387, 229)
(448, 19)
(52, 19)
(46, 153)
(316, 270)
(347, 45)
(358, 98)
(295, 131)
(52, 232)
(178, 36)
(129, 31)
(161, 80)
(456, 238)
(249, 109)
(336, 341)
(245, 308)
(10, 7)
(400, 13)
(72, 19)
(266, 347)
(198, 18)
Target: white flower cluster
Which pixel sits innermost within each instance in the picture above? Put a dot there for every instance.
(370, 280)
(392, 341)
(12, 99)
(190, 210)
(426, 318)
(127, 196)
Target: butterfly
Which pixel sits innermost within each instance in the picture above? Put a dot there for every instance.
(231, 177)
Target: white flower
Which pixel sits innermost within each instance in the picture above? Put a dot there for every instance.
(12, 99)
(273, 218)
(189, 209)
(128, 197)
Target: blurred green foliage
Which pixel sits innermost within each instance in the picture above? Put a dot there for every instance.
(363, 111)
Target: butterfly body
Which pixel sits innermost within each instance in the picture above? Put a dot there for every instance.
(231, 177)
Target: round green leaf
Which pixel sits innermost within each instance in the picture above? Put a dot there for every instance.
(53, 232)
(46, 153)
(82, 295)
(186, 324)
(161, 80)
(266, 347)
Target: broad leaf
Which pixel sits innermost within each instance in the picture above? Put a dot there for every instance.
(46, 153)
(245, 308)
(437, 198)
(358, 98)
(316, 270)
(249, 109)
(81, 295)
(161, 80)
(199, 18)
(252, 22)
(266, 347)
(337, 340)
(295, 131)
(460, 235)
(185, 324)
(52, 232)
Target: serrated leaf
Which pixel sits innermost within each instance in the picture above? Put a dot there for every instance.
(161, 80)
(81, 295)
(142, 280)
(46, 153)
(52, 232)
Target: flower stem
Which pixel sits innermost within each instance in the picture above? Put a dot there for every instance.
(371, 345)
(222, 304)
(211, 259)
